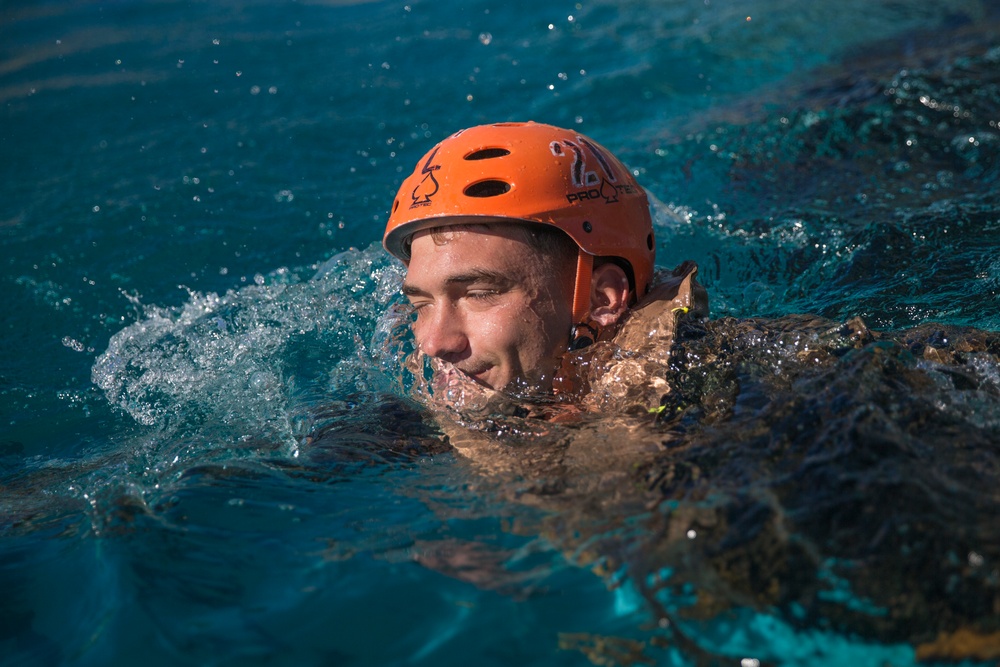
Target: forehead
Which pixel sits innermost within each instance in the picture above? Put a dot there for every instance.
(458, 249)
(468, 238)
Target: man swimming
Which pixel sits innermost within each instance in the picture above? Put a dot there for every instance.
(525, 243)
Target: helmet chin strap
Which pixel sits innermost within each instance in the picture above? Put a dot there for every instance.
(583, 333)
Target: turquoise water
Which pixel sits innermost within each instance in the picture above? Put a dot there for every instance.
(210, 453)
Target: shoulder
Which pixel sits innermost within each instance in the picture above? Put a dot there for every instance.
(674, 294)
(630, 370)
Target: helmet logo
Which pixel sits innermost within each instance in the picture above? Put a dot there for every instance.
(609, 192)
(578, 170)
(428, 186)
(600, 158)
(587, 181)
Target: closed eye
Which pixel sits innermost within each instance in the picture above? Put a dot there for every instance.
(485, 297)
(483, 293)
(417, 304)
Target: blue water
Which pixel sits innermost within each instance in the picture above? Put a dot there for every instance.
(209, 451)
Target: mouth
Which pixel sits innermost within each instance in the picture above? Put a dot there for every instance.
(479, 375)
(447, 375)
(458, 388)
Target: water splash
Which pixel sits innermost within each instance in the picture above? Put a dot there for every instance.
(240, 360)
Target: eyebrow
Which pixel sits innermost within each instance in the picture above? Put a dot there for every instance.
(492, 278)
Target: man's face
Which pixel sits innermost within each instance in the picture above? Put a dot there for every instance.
(489, 303)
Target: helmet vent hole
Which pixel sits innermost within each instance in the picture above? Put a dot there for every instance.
(587, 227)
(487, 189)
(395, 205)
(649, 241)
(487, 153)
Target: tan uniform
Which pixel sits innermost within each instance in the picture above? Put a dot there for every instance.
(628, 372)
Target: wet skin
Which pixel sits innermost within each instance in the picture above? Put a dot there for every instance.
(490, 304)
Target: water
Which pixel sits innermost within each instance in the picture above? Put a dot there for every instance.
(211, 452)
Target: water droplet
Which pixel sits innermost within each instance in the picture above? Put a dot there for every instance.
(73, 344)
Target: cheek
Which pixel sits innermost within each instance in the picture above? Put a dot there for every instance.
(510, 326)
(541, 332)
(417, 327)
(499, 328)
(551, 322)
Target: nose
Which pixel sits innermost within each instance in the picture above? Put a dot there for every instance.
(440, 333)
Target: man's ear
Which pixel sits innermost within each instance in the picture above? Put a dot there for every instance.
(608, 294)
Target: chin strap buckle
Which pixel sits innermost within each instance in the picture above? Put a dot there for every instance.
(582, 335)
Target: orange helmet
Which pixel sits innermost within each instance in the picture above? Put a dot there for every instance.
(535, 173)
